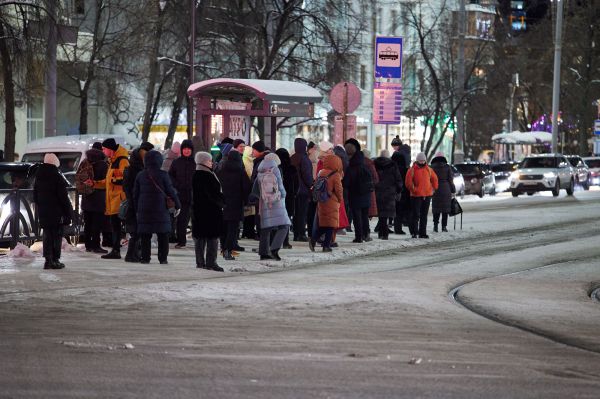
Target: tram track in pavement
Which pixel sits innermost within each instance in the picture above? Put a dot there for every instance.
(454, 296)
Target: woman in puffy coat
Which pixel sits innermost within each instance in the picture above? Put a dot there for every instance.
(152, 186)
(386, 189)
(443, 195)
(421, 181)
(329, 211)
(274, 220)
(235, 184)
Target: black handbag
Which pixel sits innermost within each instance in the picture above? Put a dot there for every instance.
(456, 209)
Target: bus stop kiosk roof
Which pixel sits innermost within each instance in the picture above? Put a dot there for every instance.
(237, 98)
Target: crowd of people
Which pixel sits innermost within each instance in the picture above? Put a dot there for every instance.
(251, 192)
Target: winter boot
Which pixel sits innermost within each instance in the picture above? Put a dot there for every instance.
(435, 228)
(112, 255)
(227, 255)
(275, 254)
(445, 230)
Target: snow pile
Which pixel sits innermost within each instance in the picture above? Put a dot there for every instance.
(21, 251)
(66, 247)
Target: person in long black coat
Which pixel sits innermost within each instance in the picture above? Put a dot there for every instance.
(53, 208)
(207, 213)
(358, 196)
(152, 186)
(443, 195)
(181, 173)
(235, 184)
(94, 203)
(389, 185)
(136, 165)
(403, 199)
(291, 183)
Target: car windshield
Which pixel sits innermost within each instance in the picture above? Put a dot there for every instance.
(593, 163)
(467, 169)
(504, 167)
(540, 162)
(574, 161)
(68, 160)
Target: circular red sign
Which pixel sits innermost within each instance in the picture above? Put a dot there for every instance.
(336, 97)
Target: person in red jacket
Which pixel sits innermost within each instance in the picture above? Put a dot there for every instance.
(421, 181)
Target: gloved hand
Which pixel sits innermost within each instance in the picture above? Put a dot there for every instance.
(177, 212)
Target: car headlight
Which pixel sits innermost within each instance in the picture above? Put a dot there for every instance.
(549, 175)
(473, 181)
(514, 176)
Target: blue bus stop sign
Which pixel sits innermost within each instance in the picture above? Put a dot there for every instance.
(597, 126)
(388, 57)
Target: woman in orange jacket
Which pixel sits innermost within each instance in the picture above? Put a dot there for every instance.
(421, 181)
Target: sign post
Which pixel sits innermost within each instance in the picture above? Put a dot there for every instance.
(387, 90)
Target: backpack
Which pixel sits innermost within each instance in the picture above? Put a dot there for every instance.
(319, 188)
(365, 180)
(85, 172)
(269, 188)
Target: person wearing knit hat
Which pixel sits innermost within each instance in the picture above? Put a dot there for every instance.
(51, 159)
(396, 143)
(227, 140)
(225, 148)
(325, 146)
(421, 181)
(352, 146)
(260, 147)
(54, 209)
(118, 159)
(181, 174)
(207, 213)
(110, 143)
(97, 145)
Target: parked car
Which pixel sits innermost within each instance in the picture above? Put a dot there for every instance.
(21, 176)
(544, 172)
(582, 173)
(502, 172)
(459, 181)
(479, 179)
(593, 164)
(70, 150)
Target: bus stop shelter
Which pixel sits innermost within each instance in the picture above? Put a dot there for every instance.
(238, 100)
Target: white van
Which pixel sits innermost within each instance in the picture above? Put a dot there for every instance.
(70, 150)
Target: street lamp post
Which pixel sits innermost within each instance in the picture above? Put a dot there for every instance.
(190, 102)
(556, 84)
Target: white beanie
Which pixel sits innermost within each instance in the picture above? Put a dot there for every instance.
(421, 157)
(273, 157)
(325, 146)
(51, 159)
(439, 154)
(202, 157)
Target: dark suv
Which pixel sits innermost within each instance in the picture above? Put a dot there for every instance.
(479, 179)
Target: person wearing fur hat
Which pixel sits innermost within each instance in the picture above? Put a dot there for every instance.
(440, 204)
(53, 208)
(360, 184)
(181, 174)
(118, 158)
(207, 213)
(421, 181)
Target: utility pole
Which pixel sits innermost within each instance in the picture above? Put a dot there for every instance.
(190, 100)
(556, 84)
(50, 98)
(460, 89)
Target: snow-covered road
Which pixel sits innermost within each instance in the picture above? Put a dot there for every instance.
(501, 309)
